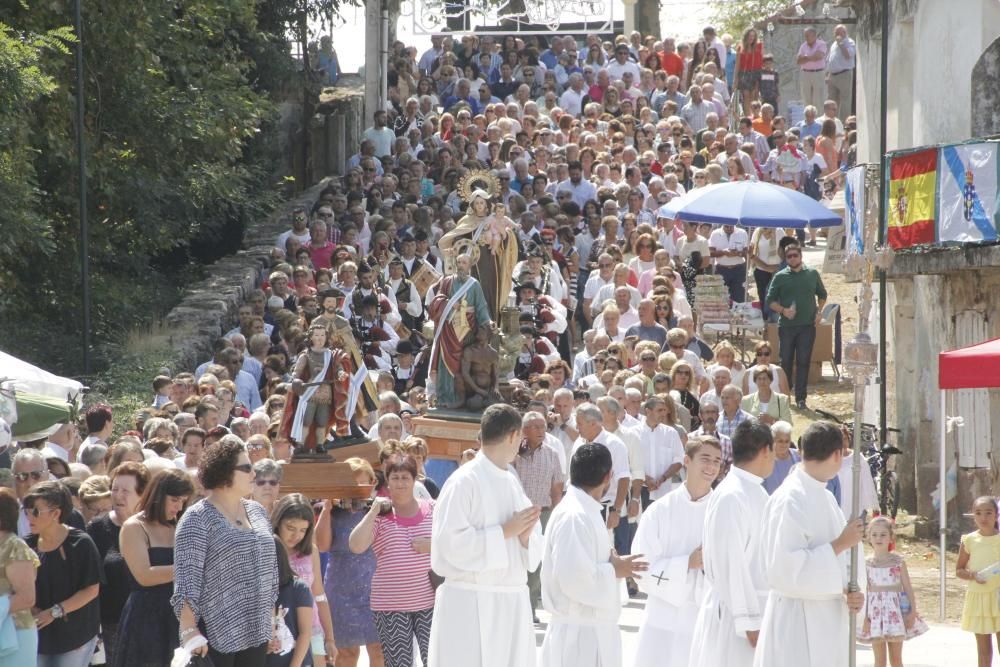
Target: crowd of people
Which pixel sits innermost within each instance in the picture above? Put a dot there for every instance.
(618, 421)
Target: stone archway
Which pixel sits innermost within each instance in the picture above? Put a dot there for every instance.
(985, 107)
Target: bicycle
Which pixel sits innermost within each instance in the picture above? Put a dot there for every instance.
(881, 463)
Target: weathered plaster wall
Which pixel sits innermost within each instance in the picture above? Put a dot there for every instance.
(933, 48)
(985, 95)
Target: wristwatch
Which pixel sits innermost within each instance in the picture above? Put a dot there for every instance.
(57, 611)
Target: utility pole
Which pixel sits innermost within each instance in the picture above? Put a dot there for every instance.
(373, 58)
(81, 155)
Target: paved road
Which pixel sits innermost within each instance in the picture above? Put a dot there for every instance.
(943, 646)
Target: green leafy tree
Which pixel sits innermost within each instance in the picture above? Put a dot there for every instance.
(180, 135)
(735, 16)
(23, 83)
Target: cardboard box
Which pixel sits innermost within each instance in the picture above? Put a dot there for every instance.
(822, 348)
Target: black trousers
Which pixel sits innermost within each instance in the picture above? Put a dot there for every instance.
(251, 657)
(796, 343)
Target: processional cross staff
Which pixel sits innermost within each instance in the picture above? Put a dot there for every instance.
(861, 354)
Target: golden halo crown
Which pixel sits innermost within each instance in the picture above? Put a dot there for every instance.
(480, 179)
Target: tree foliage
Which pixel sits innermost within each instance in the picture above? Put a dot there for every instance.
(181, 136)
(735, 16)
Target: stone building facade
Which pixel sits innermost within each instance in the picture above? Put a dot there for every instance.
(944, 86)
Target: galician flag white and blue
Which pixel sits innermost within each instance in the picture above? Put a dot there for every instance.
(968, 204)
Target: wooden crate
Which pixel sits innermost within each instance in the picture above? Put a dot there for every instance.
(316, 480)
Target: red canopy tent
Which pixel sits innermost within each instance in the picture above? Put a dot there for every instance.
(973, 367)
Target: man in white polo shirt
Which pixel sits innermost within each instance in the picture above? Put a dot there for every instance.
(728, 245)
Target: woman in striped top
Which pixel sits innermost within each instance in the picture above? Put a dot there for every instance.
(398, 530)
(226, 569)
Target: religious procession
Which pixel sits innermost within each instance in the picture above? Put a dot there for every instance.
(596, 349)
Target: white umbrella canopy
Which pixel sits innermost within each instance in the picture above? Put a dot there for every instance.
(19, 375)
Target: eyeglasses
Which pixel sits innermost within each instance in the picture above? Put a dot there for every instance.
(244, 467)
(648, 359)
(35, 475)
(369, 168)
(764, 354)
(35, 512)
(266, 482)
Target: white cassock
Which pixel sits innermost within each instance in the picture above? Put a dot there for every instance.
(661, 448)
(482, 615)
(619, 460)
(734, 604)
(579, 587)
(669, 531)
(869, 494)
(806, 618)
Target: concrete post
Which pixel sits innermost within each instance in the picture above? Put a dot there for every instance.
(629, 15)
(373, 57)
(338, 140)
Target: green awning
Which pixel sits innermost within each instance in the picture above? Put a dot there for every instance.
(36, 413)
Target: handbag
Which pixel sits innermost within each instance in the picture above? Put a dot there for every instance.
(436, 579)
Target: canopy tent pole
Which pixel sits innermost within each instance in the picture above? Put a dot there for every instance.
(943, 504)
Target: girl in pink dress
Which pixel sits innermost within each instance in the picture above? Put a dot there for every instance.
(294, 523)
(890, 614)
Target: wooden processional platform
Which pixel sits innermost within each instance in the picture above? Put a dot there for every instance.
(330, 479)
(448, 432)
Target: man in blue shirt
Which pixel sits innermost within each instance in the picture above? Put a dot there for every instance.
(809, 126)
(462, 95)
(551, 55)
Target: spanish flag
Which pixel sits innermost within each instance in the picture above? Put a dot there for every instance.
(912, 183)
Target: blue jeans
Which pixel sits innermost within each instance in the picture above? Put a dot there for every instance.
(78, 657)
(624, 533)
(796, 347)
(735, 279)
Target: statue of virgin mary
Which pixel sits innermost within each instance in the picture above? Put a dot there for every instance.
(497, 244)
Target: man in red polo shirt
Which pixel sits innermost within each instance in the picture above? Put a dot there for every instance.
(320, 247)
(669, 60)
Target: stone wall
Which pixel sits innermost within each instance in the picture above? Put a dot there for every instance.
(209, 307)
(787, 37)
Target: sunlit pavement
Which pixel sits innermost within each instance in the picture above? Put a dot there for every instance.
(943, 646)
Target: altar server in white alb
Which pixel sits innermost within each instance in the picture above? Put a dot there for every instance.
(486, 538)
(805, 548)
(669, 535)
(725, 633)
(581, 573)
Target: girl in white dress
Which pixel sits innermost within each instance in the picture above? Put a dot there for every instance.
(890, 613)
